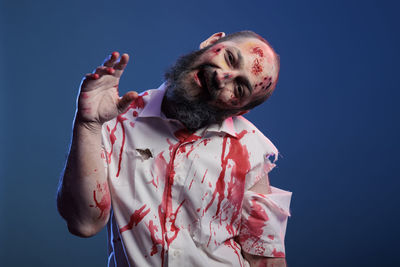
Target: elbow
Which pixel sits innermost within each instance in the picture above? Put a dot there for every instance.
(79, 225)
(83, 231)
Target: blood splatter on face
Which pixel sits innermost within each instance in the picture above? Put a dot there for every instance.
(217, 49)
(258, 51)
(257, 67)
(265, 84)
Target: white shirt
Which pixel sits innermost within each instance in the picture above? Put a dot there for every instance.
(181, 199)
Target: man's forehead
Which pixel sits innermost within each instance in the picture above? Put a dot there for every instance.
(254, 46)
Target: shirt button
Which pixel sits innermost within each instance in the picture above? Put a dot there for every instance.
(178, 178)
(177, 253)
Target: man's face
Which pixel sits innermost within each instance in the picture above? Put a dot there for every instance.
(231, 74)
(218, 81)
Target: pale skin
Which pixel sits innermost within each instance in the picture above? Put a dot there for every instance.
(83, 197)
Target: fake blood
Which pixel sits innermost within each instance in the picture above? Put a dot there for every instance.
(137, 103)
(156, 241)
(136, 217)
(257, 67)
(165, 209)
(278, 254)
(236, 248)
(258, 51)
(239, 155)
(105, 203)
(256, 221)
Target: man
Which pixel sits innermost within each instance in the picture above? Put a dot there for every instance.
(178, 176)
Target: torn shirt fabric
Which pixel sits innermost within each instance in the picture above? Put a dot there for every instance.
(183, 199)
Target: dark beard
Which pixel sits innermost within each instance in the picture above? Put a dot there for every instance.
(180, 103)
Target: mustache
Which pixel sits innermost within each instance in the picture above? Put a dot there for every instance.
(208, 78)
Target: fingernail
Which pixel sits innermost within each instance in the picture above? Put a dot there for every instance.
(110, 70)
(95, 76)
(114, 54)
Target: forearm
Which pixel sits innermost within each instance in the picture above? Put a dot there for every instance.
(260, 261)
(83, 198)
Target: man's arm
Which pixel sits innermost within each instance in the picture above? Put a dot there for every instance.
(263, 187)
(83, 198)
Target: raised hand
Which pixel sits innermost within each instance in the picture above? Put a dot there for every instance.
(98, 99)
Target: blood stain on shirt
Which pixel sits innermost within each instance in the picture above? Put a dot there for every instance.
(190, 186)
(136, 218)
(156, 241)
(253, 228)
(137, 103)
(278, 254)
(236, 249)
(165, 209)
(239, 156)
(204, 176)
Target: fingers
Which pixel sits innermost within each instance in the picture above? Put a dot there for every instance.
(119, 66)
(111, 66)
(110, 61)
(125, 101)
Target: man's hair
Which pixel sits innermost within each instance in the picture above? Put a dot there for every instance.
(250, 34)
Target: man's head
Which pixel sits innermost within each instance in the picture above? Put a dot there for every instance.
(228, 76)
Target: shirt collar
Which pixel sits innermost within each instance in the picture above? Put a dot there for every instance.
(153, 109)
(227, 126)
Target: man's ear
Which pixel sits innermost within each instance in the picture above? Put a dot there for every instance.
(212, 39)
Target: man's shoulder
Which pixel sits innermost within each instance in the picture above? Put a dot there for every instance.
(252, 136)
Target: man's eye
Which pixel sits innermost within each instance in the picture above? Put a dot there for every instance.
(231, 59)
(240, 91)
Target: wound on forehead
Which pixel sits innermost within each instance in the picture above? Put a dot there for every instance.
(257, 51)
(257, 67)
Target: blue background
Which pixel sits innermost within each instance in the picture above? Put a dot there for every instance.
(333, 115)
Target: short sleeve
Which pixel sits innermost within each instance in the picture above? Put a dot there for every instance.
(263, 223)
(261, 169)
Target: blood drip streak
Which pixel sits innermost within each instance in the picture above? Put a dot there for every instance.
(190, 186)
(256, 221)
(235, 248)
(205, 141)
(137, 103)
(136, 217)
(165, 208)
(204, 176)
(154, 239)
(239, 155)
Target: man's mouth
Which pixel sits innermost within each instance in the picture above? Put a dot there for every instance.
(201, 80)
